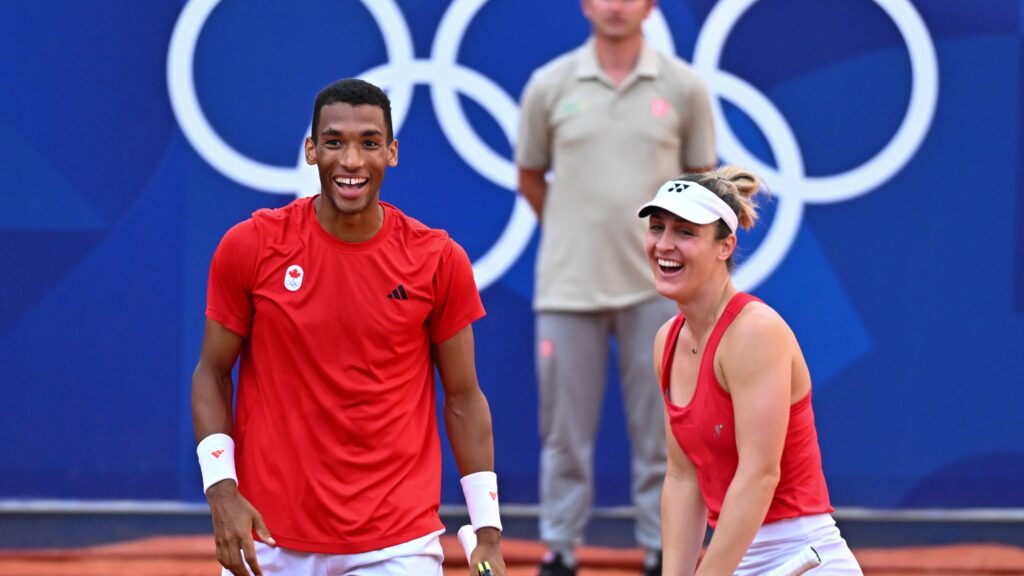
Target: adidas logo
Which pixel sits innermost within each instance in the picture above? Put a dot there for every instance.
(398, 293)
(217, 453)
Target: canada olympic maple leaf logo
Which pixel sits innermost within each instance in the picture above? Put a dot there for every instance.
(293, 278)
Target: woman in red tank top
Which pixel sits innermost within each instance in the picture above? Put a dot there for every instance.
(742, 447)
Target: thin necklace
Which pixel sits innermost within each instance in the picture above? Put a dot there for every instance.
(696, 343)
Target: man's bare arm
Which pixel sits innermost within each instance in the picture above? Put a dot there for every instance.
(534, 187)
(468, 422)
(234, 518)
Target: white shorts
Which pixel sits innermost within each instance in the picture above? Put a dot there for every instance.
(415, 557)
(777, 542)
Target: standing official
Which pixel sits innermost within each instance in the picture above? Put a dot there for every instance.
(611, 120)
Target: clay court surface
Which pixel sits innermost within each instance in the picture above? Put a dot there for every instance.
(193, 556)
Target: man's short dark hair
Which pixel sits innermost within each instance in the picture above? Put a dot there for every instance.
(355, 92)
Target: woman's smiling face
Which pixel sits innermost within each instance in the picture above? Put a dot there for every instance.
(683, 256)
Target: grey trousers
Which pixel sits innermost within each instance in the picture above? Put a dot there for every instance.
(572, 359)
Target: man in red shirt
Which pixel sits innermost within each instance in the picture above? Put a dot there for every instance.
(338, 308)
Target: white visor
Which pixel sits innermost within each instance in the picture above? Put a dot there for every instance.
(690, 201)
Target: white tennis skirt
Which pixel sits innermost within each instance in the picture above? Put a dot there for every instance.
(777, 542)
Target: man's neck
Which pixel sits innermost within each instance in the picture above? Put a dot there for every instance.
(619, 57)
(349, 227)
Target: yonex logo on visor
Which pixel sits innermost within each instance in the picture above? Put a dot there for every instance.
(691, 201)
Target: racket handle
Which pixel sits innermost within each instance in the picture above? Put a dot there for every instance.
(807, 558)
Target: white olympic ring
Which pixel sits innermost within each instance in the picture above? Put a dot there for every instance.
(789, 180)
(447, 78)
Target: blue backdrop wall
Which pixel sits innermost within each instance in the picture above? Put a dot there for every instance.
(133, 134)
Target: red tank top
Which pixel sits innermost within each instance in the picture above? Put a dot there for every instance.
(705, 431)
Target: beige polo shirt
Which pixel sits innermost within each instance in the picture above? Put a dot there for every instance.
(609, 148)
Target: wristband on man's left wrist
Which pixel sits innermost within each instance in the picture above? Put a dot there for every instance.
(481, 492)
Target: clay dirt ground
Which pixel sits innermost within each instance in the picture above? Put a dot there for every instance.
(193, 556)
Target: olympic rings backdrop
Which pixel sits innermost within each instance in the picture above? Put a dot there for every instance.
(135, 133)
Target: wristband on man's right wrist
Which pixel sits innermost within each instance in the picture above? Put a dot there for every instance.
(216, 459)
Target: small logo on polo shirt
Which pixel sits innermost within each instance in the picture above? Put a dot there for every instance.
(660, 107)
(718, 431)
(293, 277)
(572, 107)
(398, 293)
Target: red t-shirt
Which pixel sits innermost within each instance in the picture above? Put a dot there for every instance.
(335, 429)
(705, 430)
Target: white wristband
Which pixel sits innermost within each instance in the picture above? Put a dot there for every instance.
(481, 492)
(216, 459)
